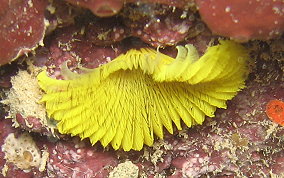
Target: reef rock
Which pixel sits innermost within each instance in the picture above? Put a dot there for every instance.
(22, 27)
(243, 20)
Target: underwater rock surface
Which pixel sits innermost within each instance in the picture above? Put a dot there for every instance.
(221, 146)
(157, 23)
(22, 27)
(239, 141)
(243, 20)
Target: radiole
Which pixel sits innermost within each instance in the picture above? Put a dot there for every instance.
(130, 99)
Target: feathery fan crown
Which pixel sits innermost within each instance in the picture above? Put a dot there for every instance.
(128, 100)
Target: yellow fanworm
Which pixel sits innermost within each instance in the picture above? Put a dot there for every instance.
(128, 100)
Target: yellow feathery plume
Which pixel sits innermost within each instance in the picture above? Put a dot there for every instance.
(128, 100)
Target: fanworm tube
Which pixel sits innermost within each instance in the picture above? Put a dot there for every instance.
(128, 100)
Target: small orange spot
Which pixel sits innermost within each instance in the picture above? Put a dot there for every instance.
(28, 156)
(275, 111)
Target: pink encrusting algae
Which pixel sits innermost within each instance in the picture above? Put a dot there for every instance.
(243, 20)
(22, 27)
